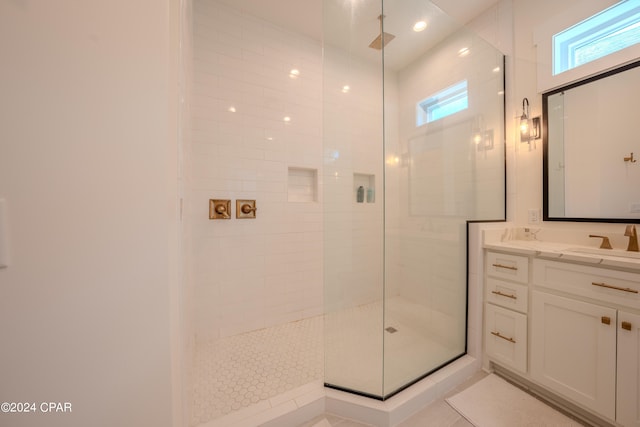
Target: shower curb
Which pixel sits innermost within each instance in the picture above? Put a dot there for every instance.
(298, 406)
(401, 406)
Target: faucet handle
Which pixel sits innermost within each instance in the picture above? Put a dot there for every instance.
(632, 234)
(606, 244)
(630, 231)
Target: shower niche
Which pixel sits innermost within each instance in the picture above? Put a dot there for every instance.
(364, 186)
(302, 184)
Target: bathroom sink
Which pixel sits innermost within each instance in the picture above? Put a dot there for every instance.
(606, 252)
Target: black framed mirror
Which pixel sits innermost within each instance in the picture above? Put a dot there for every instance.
(591, 149)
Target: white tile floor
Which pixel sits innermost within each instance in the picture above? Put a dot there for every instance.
(239, 371)
(244, 372)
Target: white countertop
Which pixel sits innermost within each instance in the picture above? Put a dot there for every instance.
(618, 258)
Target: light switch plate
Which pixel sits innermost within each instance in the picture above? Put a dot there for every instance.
(4, 235)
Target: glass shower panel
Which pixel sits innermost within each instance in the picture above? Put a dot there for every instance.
(352, 196)
(413, 130)
(444, 151)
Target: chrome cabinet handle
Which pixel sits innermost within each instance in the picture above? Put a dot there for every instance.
(505, 266)
(604, 285)
(504, 295)
(497, 334)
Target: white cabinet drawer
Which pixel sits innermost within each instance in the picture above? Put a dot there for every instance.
(506, 337)
(507, 294)
(507, 266)
(610, 286)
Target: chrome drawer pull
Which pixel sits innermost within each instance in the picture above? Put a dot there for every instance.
(505, 266)
(503, 337)
(504, 295)
(604, 285)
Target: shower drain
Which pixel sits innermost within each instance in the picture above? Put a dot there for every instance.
(391, 329)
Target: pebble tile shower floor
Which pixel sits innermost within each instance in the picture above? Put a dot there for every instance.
(238, 371)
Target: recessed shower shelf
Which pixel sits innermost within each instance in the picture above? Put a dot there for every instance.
(302, 185)
(364, 186)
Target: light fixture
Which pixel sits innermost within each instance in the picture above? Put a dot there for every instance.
(480, 136)
(464, 51)
(294, 73)
(346, 89)
(231, 109)
(419, 26)
(287, 119)
(529, 127)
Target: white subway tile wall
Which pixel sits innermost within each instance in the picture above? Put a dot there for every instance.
(251, 123)
(259, 93)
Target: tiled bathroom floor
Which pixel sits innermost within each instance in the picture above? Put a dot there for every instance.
(237, 372)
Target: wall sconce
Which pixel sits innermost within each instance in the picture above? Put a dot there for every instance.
(529, 127)
(483, 139)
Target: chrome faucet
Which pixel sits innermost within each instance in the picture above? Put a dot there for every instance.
(631, 233)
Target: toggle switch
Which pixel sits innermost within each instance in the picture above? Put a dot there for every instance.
(246, 209)
(219, 209)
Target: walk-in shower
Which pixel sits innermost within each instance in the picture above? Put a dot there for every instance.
(365, 165)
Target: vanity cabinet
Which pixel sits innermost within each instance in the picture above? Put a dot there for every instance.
(585, 338)
(573, 350)
(628, 395)
(506, 306)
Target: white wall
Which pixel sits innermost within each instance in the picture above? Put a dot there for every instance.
(88, 155)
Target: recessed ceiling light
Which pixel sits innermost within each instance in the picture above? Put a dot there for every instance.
(464, 51)
(294, 73)
(232, 109)
(287, 119)
(419, 26)
(496, 70)
(345, 88)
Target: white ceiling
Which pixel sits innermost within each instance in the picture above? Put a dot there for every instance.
(353, 24)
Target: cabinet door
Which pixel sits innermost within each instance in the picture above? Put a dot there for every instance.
(506, 337)
(628, 404)
(573, 350)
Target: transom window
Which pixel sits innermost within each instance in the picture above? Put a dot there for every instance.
(609, 31)
(444, 103)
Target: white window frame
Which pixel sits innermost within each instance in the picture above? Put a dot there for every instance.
(617, 19)
(433, 107)
(543, 39)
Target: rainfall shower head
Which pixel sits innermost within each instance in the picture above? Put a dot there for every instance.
(383, 38)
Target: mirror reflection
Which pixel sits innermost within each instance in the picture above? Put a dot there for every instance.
(591, 148)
